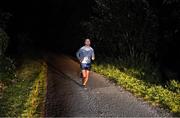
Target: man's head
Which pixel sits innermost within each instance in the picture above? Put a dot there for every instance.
(87, 42)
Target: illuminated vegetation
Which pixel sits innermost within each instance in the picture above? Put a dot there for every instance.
(25, 96)
(155, 93)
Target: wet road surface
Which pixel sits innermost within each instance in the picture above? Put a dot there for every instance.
(66, 97)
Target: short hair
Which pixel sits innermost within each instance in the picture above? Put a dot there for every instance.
(87, 39)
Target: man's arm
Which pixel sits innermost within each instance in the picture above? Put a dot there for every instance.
(93, 55)
(77, 54)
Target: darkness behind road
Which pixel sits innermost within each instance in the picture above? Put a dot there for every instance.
(47, 23)
(55, 25)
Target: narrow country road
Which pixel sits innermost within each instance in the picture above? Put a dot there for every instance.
(65, 96)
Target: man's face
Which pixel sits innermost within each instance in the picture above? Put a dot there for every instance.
(87, 42)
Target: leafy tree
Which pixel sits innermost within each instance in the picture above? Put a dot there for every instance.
(143, 34)
(4, 18)
(3, 42)
(7, 68)
(124, 28)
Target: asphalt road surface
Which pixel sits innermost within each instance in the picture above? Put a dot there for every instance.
(66, 97)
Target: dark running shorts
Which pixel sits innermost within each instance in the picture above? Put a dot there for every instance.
(85, 66)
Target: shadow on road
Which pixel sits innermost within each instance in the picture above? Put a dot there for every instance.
(58, 72)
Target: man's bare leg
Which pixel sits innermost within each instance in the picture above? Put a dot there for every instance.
(84, 77)
(87, 77)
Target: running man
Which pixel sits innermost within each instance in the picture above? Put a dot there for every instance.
(85, 54)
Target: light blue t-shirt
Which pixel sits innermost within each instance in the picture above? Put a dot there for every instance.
(85, 53)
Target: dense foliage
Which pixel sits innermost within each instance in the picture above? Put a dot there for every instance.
(124, 28)
(137, 32)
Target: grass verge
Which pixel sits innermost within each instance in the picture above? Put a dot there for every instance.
(153, 93)
(25, 96)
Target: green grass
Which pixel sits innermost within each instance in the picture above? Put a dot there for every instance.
(25, 95)
(154, 93)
